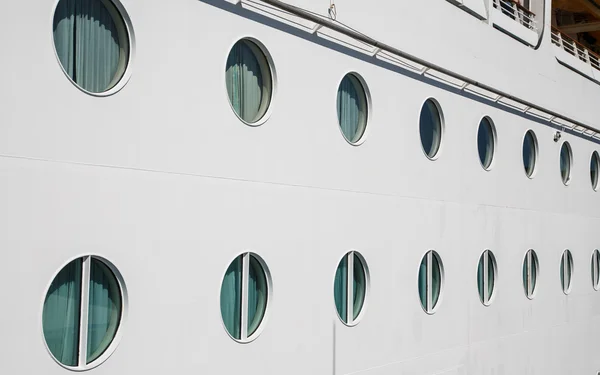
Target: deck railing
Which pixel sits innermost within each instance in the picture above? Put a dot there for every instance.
(575, 48)
(517, 12)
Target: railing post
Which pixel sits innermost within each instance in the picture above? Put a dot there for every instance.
(519, 14)
(587, 56)
(560, 40)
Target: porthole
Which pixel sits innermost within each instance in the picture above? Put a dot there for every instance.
(245, 293)
(566, 271)
(566, 161)
(92, 43)
(530, 272)
(430, 281)
(486, 142)
(249, 81)
(350, 288)
(431, 126)
(530, 150)
(596, 269)
(486, 277)
(352, 108)
(594, 170)
(82, 313)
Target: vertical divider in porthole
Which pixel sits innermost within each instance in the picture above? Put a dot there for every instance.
(430, 281)
(566, 271)
(350, 288)
(245, 295)
(595, 268)
(83, 313)
(486, 277)
(530, 273)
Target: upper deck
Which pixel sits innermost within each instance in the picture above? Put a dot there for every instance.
(517, 48)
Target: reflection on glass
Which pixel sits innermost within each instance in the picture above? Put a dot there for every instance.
(565, 162)
(430, 128)
(248, 80)
(352, 108)
(104, 310)
(257, 295)
(485, 142)
(60, 317)
(529, 153)
(594, 167)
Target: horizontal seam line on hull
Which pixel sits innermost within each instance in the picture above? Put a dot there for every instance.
(233, 179)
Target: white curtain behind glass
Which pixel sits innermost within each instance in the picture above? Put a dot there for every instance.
(340, 289)
(351, 109)
(61, 314)
(245, 81)
(423, 282)
(359, 287)
(257, 295)
(436, 280)
(87, 43)
(231, 299)
(104, 309)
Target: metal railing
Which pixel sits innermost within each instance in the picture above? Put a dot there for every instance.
(517, 12)
(465, 83)
(575, 48)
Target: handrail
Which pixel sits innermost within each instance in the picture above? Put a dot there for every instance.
(589, 130)
(521, 7)
(566, 36)
(517, 12)
(575, 48)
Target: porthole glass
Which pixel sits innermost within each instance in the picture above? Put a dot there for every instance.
(566, 271)
(85, 293)
(596, 269)
(486, 277)
(530, 271)
(350, 287)
(352, 108)
(566, 157)
(249, 81)
(244, 297)
(91, 42)
(594, 169)
(529, 153)
(486, 140)
(430, 128)
(430, 281)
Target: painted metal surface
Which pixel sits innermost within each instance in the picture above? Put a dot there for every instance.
(166, 182)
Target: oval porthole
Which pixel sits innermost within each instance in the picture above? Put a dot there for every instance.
(486, 277)
(486, 142)
(566, 161)
(530, 150)
(245, 293)
(83, 313)
(92, 43)
(594, 170)
(249, 81)
(530, 273)
(350, 288)
(566, 271)
(352, 108)
(596, 269)
(430, 281)
(431, 126)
